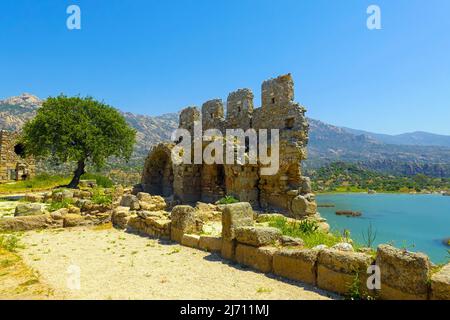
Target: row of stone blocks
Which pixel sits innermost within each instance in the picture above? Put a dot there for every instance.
(404, 275)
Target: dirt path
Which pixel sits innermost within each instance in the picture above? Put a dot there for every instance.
(119, 265)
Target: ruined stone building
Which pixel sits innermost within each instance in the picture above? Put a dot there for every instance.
(287, 191)
(13, 167)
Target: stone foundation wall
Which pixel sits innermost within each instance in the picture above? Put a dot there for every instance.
(404, 275)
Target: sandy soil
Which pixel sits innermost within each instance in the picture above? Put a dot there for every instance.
(118, 265)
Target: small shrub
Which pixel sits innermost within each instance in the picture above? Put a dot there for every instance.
(56, 205)
(306, 231)
(99, 197)
(228, 200)
(308, 226)
(10, 242)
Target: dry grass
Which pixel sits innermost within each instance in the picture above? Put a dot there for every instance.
(18, 281)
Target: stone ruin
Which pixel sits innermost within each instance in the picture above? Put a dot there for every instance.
(287, 191)
(13, 165)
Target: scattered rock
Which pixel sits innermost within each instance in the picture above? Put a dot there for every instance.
(29, 209)
(446, 241)
(287, 241)
(302, 207)
(320, 247)
(130, 201)
(343, 246)
(74, 220)
(26, 223)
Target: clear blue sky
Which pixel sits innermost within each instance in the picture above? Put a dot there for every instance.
(153, 56)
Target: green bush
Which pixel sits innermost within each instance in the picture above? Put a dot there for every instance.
(228, 200)
(99, 197)
(10, 242)
(56, 205)
(308, 231)
(102, 181)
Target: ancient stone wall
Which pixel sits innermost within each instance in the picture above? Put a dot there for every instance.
(12, 165)
(287, 191)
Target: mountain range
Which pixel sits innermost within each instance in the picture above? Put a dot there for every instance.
(405, 154)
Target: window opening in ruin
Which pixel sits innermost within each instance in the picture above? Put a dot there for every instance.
(273, 100)
(289, 123)
(19, 149)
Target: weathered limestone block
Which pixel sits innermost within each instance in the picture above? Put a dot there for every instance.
(61, 195)
(130, 201)
(29, 209)
(287, 241)
(228, 250)
(257, 258)
(343, 246)
(88, 183)
(151, 203)
(33, 197)
(59, 214)
(404, 275)
(190, 240)
(302, 207)
(210, 243)
(75, 220)
(27, 223)
(184, 220)
(337, 270)
(120, 217)
(236, 215)
(296, 264)
(440, 284)
(257, 236)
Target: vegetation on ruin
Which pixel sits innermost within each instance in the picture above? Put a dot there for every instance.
(56, 205)
(228, 200)
(306, 230)
(40, 182)
(79, 130)
(99, 197)
(348, 177)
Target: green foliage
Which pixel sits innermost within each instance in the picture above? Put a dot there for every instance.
(10, 242)
(81, 130)
(99, 197)
(56, 205)
(308, 232)
(228, 200)
(348, 177)
(40, 182)
(102, 181)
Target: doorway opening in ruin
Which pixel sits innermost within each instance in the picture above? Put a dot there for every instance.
(158, 173)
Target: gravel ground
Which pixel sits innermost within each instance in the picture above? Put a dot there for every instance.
(118, 265)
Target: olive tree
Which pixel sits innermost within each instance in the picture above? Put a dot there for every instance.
(80, 130)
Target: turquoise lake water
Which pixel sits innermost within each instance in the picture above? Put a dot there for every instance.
(416, 222)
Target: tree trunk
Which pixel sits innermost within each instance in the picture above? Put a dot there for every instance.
(77, 175)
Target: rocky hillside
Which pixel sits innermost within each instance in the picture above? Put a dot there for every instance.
(328, 143)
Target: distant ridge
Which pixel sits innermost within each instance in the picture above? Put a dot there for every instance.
(406, 154)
